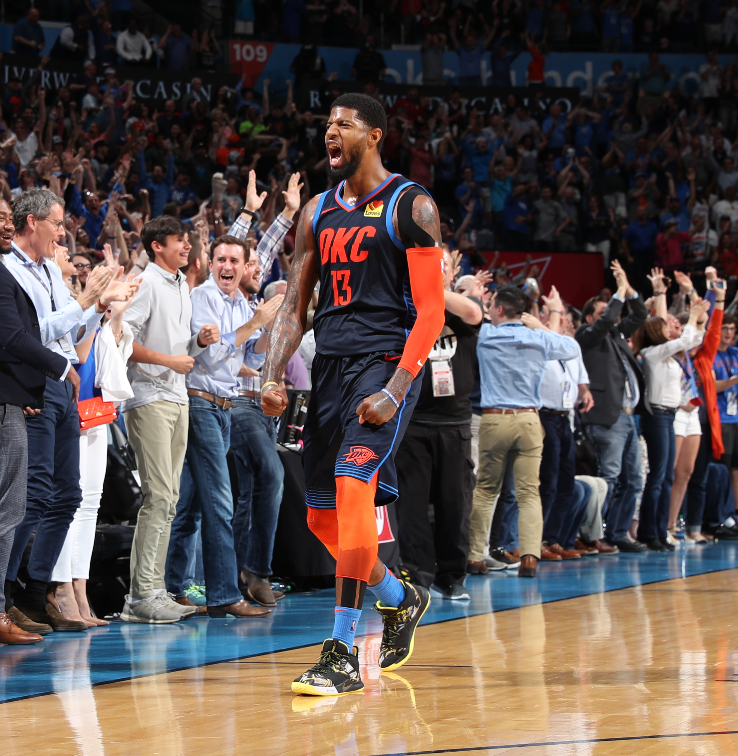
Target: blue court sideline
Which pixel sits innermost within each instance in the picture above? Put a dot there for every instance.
(65, 661)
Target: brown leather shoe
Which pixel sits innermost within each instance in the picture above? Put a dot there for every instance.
(259, 589)
(184, 601)
(548, 556)
(239, 609)
(562, 552)
(604, 549)
(476, 568)
(13, 635)
(24, 623)
(585, 549)
(61, 624)
(528, 566)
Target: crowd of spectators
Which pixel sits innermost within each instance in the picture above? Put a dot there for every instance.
(111, 38)
(608, 26)
(142, 203)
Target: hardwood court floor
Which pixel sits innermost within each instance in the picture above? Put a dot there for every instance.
(645, 670)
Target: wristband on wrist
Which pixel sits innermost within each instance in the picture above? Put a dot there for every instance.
(101, 305)
(659, 293)
(689, 293)
(268, 383)
(558, 312)
(719, 301)
(247, 212)
(392, 397)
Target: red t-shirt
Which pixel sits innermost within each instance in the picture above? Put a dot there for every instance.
(670, 249)
(536, 67)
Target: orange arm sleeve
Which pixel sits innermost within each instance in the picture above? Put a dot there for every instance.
(425, 265)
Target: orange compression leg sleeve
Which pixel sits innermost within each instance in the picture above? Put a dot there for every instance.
(324, 523)
(358, 543)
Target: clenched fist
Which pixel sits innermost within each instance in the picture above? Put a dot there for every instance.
(209, 334)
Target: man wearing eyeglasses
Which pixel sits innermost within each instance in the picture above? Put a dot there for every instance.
(82, 267)
(53, 434)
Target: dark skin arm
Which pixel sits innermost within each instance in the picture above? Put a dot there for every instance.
(289, 325)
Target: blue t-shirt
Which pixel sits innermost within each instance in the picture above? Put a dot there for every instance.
(534, 24)
(178, 53)
(583, 137)
(611, 23)
(617, 81)
(558, 135)
(479, 161)
(515, 207)
(180, 196)
(583, 23)
(682, 218)
(461, 190)
(725, 366)
(86, 372)
(641, 239)
(500, 192)
(626, 31)
(642, 163)
(470, 60)
(29, 31)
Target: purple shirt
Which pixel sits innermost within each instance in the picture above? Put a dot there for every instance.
(296, 373)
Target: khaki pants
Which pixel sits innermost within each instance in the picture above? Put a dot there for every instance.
(520, 437)
(158, 434)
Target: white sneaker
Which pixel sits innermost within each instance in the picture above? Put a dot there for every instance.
(154, 610)
(184, 611)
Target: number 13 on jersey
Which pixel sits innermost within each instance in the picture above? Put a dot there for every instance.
(341, 288)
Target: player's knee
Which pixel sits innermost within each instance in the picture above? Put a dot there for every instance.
(323, 524)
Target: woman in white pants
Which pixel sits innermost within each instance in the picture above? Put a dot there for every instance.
(105, 369)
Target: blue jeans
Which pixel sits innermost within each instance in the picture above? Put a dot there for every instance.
(558, 467)
(720, 503)
(205, 494)
(260, 483)
(575, 514)
(658, 430)
(184, 558)
(53, 493)
(619, 463)
(508, 537)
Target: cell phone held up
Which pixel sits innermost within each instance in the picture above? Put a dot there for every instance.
(716, 284)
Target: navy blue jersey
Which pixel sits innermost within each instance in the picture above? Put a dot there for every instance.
(365, 303)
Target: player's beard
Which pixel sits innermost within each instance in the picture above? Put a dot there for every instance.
(351, 162)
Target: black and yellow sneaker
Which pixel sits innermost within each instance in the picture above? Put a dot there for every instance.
(336, 673)
(400, 622)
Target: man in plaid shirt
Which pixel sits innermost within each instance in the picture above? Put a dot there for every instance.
(253, 434)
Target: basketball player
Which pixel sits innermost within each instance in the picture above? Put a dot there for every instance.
(374, 243)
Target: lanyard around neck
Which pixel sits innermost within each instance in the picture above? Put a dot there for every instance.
(32, 267)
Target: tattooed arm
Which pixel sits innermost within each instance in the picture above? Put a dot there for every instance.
(289, 325)
(426, 283)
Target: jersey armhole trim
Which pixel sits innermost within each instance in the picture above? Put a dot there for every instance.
(318, 208)
(391, 209)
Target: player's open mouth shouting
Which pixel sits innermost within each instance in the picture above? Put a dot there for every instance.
(335, 153)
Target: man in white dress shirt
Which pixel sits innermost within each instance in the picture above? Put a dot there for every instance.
(212, 385)
(53, 434)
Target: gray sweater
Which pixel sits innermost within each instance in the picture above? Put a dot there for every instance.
(160, 318)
